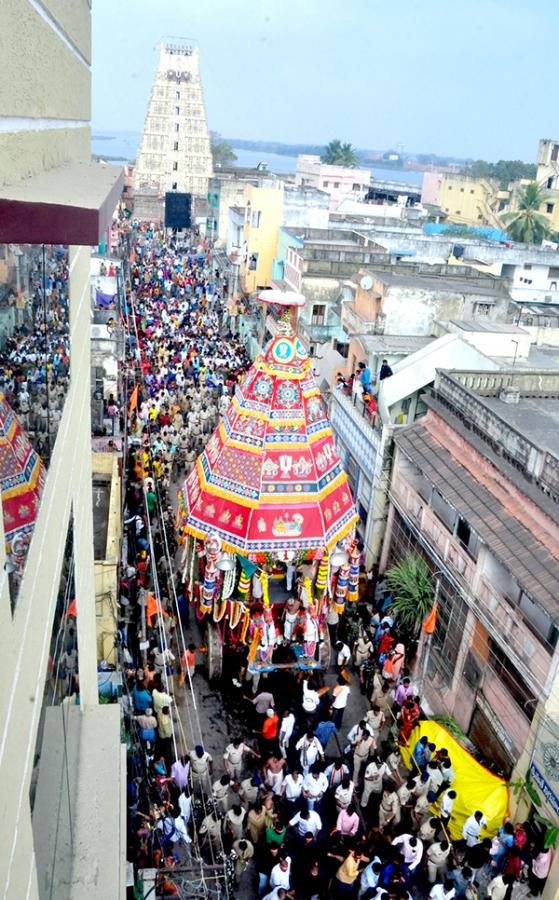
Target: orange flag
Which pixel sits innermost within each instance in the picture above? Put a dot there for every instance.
(430, 620)
(72, 609)
(153, 608)
(133, 400)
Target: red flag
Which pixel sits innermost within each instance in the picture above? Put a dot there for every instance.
(133, 400)
(430, 620)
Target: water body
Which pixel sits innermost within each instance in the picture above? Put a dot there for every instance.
(123, 146)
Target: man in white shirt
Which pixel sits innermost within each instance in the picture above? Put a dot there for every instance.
(315, 785)
(343, 654)
(411, 847)
(306, 822)
(310, 749)
(280, 876)
(472, 828)
(292, 789)
(286, 730)
(444, 891)
(311, 699)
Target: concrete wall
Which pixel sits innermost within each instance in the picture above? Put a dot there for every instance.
(411, 310)
(262, 239)
(46, 79)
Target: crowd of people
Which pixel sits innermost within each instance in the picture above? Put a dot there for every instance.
(309, 798)
(34, 359)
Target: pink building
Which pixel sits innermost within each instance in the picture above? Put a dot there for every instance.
(337, 181)
(431, 189)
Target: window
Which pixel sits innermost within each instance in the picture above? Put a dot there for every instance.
(177, 110)
(443, 510)
(318, 314)
(356, 187)
(555, 153)
(177, 95)
(176, 145)
(175, 166)
(253, 262)
(471, 190)
(461, 190)
(511, 680)
(482, 309)
(467, 537)
(458, 212)
(325, 184)
(527, 265)
(177, 126)
(549, 207)
(336, 184)
(174, 186)
(549, 183)
(255, 218)
(450, 187)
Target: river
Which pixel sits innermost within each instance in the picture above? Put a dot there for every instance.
(122, 146)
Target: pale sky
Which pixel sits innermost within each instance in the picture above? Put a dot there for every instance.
(477, 78)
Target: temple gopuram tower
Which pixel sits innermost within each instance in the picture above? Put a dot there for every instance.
(175, 152)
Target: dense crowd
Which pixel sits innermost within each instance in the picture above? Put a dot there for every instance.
(310, 798)
(34, 360)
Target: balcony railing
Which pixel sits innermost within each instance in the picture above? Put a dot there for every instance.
(369, 425)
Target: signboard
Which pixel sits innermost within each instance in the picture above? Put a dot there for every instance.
(545, 763)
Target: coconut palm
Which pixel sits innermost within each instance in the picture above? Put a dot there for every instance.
(410, 580)
(526, 223)
(338, 154)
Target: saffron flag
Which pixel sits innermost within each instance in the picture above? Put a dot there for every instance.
(133, 400)
(430, 620)
(153, 608)
(72, 609)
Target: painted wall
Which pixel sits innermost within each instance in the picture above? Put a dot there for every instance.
(262, 238)
(337, 181)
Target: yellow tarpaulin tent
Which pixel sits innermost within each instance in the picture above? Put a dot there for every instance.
(476, 787)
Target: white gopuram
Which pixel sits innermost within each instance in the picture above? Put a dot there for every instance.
(175, 152)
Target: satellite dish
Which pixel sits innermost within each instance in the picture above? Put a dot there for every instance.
(366, 283)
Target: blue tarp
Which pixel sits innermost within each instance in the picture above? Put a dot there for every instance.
(488, 234)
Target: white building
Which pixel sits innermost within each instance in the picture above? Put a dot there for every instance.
(175, 152)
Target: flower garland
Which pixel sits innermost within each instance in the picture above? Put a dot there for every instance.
(228, 582)
(341, 589)
(263, 578)
(353, 588)
(243, 586)
(209, 589)
(321, 578)
(235, 611)
(246, 623)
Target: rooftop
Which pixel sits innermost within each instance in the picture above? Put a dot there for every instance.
(536, 416)
(440, 283)
(393, 343)
(514, 544)
(489, 327)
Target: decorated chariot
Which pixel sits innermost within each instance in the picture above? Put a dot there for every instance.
(269, 494)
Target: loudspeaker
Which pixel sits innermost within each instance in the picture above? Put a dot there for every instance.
(177, 210)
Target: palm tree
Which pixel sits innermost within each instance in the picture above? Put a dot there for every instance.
(526, 223)
(410, 579)
(338, 154)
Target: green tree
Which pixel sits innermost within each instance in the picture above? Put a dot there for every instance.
(505, 170)
(410, 580)
(222, 152)
(526, 223)
(338, 154)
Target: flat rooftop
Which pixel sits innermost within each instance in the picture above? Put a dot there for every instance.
(537, 417)
(440, 283)
(394, 343)
(487, 327)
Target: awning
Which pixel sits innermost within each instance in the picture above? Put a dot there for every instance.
(71, 204)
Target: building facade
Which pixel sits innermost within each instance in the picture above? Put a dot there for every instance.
(337, 181)
(175, 152)
(51, 833)
(474, 491)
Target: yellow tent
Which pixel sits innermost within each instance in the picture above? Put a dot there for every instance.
(476, 787)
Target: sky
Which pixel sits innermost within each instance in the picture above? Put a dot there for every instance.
(471, 79)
